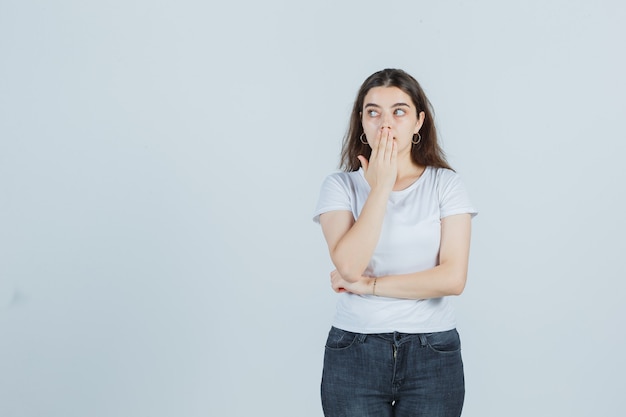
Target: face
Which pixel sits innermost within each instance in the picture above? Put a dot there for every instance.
(389, 110)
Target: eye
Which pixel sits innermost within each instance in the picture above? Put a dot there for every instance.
(372, 113)
(399, 112)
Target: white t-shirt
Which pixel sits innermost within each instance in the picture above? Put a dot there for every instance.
(409, 242)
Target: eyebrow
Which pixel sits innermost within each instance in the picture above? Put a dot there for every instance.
(377, 106)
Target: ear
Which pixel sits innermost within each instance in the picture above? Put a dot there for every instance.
(420, 121)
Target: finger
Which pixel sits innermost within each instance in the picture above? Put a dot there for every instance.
(374, 146)
(379, 136)
(382, 144)
(389, 147)
(364, 162)
(388, 144)
(337, 288)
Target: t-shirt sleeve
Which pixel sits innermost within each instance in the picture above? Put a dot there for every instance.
(453, 197)
(334, 195)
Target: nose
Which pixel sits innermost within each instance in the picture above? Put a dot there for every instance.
(386, 121)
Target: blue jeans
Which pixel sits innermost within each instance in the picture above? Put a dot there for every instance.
(392, 374)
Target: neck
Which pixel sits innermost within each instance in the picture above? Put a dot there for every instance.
(407, 168)
(408, 173)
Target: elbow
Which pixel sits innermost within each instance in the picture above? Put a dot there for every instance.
(349, 274)
(454, 276)
(457, 284)
(348, 268)
(457, 289)
(348, 271)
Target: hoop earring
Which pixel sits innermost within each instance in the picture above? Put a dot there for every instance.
(361, 139)
(418, 141)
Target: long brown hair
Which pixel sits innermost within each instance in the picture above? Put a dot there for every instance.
(427, 152)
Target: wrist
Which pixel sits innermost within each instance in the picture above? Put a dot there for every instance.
(382, 190)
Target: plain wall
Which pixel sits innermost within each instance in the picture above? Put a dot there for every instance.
(160, 162)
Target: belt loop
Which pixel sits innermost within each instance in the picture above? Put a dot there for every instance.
(423, 339)
(361, 337)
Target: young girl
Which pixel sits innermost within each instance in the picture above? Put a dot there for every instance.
(397, 223)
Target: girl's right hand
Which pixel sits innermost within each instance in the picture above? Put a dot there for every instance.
(382, 168)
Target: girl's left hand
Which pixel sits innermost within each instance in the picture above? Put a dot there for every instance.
(360, 286)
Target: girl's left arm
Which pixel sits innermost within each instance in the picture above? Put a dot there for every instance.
(447, 278)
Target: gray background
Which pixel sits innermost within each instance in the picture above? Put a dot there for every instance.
(160, 160)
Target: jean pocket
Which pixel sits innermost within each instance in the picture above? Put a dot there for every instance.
(444, 342)
(340, 339)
